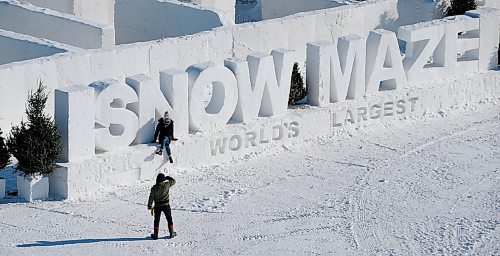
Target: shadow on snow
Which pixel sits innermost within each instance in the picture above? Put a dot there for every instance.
(84, 241)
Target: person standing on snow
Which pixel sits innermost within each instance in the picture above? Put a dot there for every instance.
(165, 133)
(160, 196)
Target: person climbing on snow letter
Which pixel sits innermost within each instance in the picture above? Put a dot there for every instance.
(165, 133)
(160, 196)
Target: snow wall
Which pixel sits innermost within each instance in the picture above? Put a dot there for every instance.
(89, 176)
(148, 58)
(100, 11)
(279, 8)
(226, 9)
(146, 20)
(39, 22)
(64, 6)
(15, 47)
(85, 178)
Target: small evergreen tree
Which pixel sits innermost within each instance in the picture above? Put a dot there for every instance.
(36, 143)
(459, 7)
(4, 153)
(297, 89)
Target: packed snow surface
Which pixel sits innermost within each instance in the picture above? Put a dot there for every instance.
(430, 186)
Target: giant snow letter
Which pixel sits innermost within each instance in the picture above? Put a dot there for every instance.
(171, 95)
(462, 35)
(424, 54)
(75, 117)
(213, 95)
(116, 125)
(336, 70)
(489, 19)
(263, 84)
(384, 67)
(448, 46)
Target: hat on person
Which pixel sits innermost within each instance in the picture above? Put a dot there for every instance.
(160, 178)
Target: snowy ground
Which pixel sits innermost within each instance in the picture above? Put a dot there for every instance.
(421, 186)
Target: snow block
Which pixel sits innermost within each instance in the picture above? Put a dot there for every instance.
(175, 87)
(151, 102)
(33, 188)
(75, 120)
(270, 78)
(221, 84)
(340, 64)
(239, 140)
(322, 32)
(81, 179)
(424, 41)
(350, 83)
(461, 40)
(318, 73)
(458, 92)
(432, 48)
(110, 169)
(489, 35)
(305, 27)
(263, 84)
(219, 44)
(58, 182)
(53, 25)
(116, 126)
(373, 108)
(384, 67)
(154, 100)
(247, 108)
(247, 38)
(17, 47)
(274, 35)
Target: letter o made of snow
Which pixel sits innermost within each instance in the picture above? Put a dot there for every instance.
(116, 125)
(235, 142)
(222, 101)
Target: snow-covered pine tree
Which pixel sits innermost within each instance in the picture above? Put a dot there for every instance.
(297, 89)
(36, 143)
(4, 153)
(459, 7)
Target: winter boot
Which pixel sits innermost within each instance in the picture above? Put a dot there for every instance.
(170, 159)
(171, 231)
(159, 152)
(155, 234)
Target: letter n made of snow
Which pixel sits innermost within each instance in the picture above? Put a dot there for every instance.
(171, 95)
(384, 67)
(263, 84)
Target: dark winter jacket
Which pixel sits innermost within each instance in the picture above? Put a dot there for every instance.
(160, 193)
(164, 130)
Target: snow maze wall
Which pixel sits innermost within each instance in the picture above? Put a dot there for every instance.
(174, 66)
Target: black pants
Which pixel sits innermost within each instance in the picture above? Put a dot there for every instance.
(168, 213)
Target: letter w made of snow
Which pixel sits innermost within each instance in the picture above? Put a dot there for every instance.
(336, 71)
(263, 84)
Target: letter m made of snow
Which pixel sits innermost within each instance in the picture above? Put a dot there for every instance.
(336, 71)
(263, 84)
